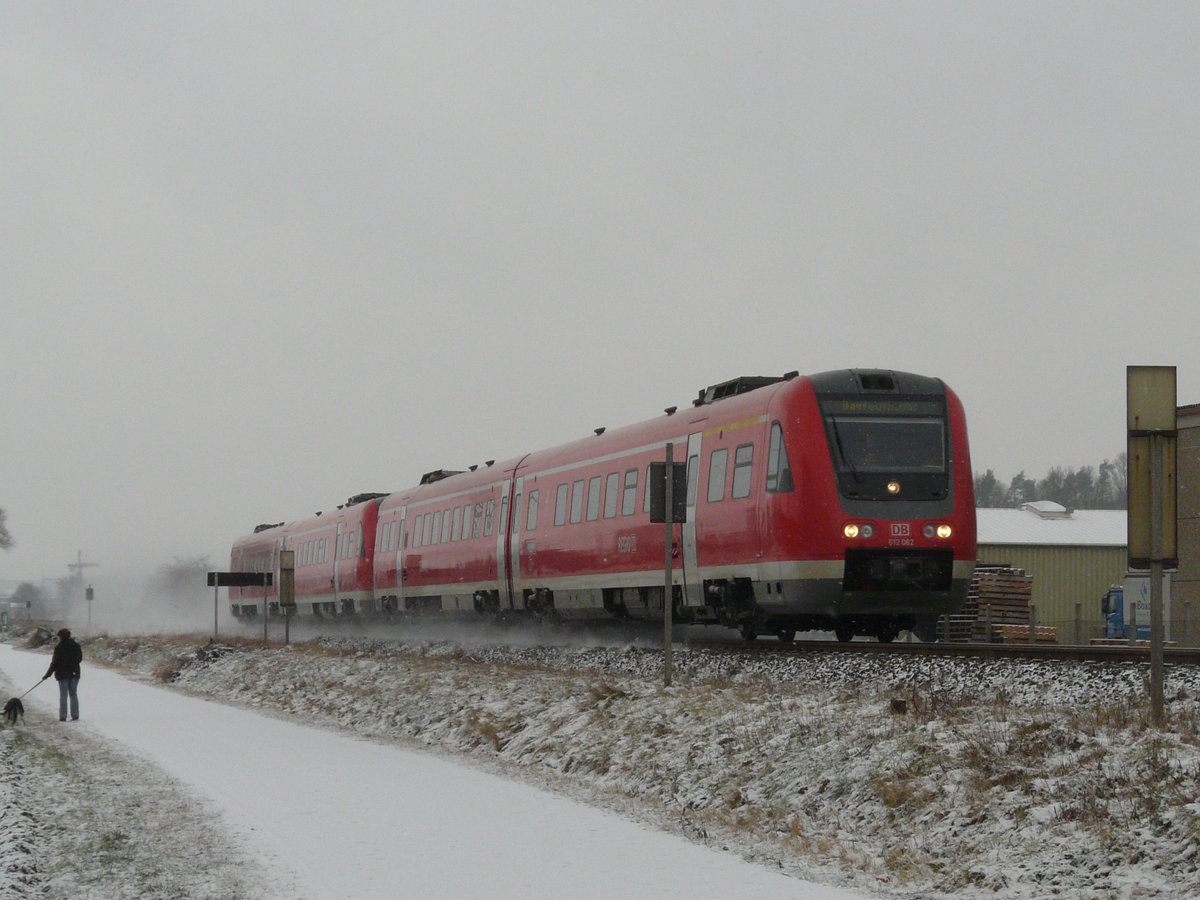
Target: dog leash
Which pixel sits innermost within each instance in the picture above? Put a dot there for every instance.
(27, 693)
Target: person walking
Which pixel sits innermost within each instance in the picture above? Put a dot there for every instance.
(64, 666)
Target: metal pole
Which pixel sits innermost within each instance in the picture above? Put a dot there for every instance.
(668, 540)
(215, 604)
(1156, 578)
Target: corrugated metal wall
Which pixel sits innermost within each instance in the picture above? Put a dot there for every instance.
(1062, 576)
(1185, 584)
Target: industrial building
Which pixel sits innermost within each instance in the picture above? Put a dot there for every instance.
(1072, 556)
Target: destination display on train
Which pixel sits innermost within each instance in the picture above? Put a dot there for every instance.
(858, 406)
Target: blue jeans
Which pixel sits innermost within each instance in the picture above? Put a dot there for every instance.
(66, 690)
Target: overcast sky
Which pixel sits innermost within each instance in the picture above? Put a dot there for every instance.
(257, 257)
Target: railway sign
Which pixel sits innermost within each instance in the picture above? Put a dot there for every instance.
(287, 578)
(240, 579)
(658, 492)
(1152, 439)
(1153, 431)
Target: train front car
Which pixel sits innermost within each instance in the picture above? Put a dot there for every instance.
(872, 505)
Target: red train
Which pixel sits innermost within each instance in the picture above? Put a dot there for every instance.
(840, 501)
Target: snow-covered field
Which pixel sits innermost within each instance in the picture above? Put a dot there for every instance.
(892, 776)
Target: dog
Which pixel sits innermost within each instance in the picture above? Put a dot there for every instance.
(14, 709)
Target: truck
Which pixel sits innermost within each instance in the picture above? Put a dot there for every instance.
(1126, 607)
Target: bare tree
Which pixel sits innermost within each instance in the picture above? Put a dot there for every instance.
(6, 540)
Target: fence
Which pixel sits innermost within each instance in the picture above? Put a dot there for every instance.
(999, 609)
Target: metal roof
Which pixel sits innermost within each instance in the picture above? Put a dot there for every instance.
(1042, 525)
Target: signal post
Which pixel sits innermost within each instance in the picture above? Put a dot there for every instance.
(1152, 434)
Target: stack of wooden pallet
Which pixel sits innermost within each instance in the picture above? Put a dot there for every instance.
(999, 596)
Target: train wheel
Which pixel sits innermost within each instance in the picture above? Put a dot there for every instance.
(926, 630)
(887, 634)
(844, 633)
(749, 631)
(787, 635)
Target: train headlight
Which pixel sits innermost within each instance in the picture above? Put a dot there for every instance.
(867, 531)
(854, 530)
(944, 531)
(893, 487)
(850, 531)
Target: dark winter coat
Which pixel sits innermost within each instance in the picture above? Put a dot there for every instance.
(65, 662)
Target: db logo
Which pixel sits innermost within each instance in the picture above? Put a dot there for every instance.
(901, 529)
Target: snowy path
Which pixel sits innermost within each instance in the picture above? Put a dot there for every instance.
(339, 817)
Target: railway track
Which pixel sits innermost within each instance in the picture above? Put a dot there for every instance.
(648, 635)
(1096, 653)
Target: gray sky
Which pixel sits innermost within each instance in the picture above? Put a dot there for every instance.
(257, 257)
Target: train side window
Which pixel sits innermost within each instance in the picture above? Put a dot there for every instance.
(743, 465)
(577, 501)
(560, 506)
(446, 516)
(488, 517)
(456, 528)
(629, 500)
(717, 463)
(646, 496)
(593, 501)
(531, 518)
(437, 526)
(477, 524)
(427, 529)
(693, 478)
(466, 511)
(612, 488)
(516, 514)
(779, 471)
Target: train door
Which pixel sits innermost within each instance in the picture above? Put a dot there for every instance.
(503, 572)
(514, 543)
(401, 541)
(337, 564)
(693, 589)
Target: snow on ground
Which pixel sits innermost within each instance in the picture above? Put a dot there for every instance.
(234, 803)
(891, 776)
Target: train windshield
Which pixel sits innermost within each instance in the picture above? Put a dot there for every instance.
(891, 444)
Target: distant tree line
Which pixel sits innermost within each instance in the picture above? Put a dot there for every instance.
(1089, 487)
